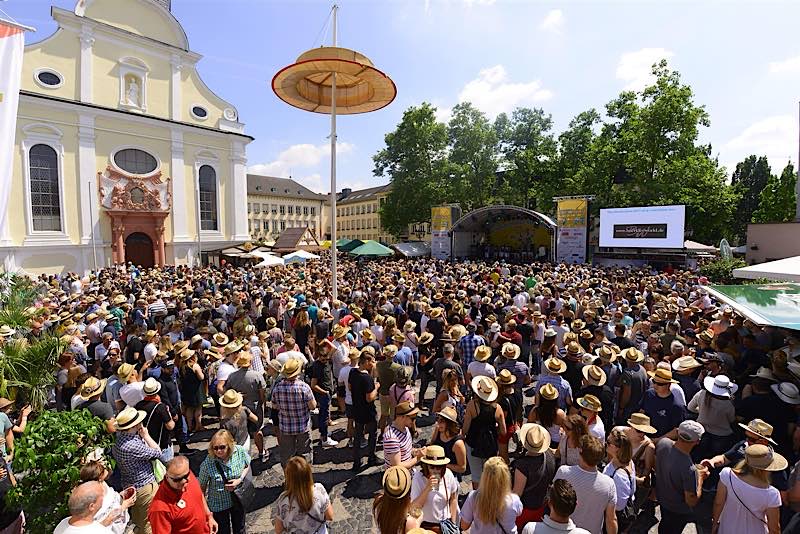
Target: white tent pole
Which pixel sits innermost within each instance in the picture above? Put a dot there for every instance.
(334, 289)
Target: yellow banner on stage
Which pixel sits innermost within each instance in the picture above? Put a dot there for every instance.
(441, 218)
(572, 213)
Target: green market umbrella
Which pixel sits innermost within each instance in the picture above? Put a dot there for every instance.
(776, 304)
(372, 248)
(353, 244)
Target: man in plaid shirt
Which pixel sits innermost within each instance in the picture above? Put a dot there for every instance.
(467, 346)
(294, 401)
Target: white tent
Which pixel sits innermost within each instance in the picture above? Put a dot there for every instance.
(787, 269)
(267, 259)
(300, 255)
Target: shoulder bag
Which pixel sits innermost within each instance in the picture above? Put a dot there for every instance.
(159, 469)
(627, 516)
(245, 491)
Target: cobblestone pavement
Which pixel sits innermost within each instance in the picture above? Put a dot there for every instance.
(351, 495)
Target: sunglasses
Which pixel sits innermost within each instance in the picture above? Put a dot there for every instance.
(179, 479)
(220, 447)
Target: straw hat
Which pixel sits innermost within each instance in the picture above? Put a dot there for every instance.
(549, 392)
(760, 428)
(510, 350)
(125, 371)
(271, 323)
(685, 363)
(150, 334)
(245, 359)
(434, 455)
(397, 482)
(720, 385)
(231, 399)
(706, 335)
(291, 368)
(662, 376)
(641, 422)
(555, 365)
(409, 326)
(340, 331)
(5, 402)
(92, 387)
(449, 413)
(151, 386)
(606, 353)
(594, 375)
(436, 313)
(425, 338)
(764, 458)
(766, 373)
(590, 402)
(389, 351)
(232, 348)
(221, 339)
(188, 353)
(505, 378)
(535, 438)
(485, 388)
(367, 335)
(405, 408)
(787, 392)
(457, 332)
(129, 418)
(633, 355)
(573, 348)
(483, 353)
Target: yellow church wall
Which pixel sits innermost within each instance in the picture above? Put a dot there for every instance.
(59, 52)
(197, 150)
(136, 16)
(196, 92)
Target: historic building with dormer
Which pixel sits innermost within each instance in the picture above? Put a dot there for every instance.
(122, 152)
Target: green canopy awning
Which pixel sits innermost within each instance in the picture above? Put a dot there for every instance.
(776, 304)
(348, 247)
(342, 242)
(372, 248)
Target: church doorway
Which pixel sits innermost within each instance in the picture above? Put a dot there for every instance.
(139, 250)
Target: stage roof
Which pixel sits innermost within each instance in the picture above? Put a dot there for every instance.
(476, 220)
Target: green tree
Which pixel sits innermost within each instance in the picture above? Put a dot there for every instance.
(473, 156)
(574, 145)
(777, 201)
(749, 179)
(529, 157)
(416, 162)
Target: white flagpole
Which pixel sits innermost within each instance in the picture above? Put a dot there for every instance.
(334, 289)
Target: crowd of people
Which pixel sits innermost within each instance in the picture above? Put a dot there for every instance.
(566, 398)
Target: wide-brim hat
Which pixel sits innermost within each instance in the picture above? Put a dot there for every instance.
(510, 350)
(125, 371)
(245, 359)
(483, 353)
(425, 338)
(449, 413)
(220, 339)
(577, 325)
(232, 348)
(485, 388)
(409, 326)
(434, 455)
(720, 385)
(590, 402)
(231, 399)
(555, 365)
(764, 458)
(129, 418)
(340, 331)
(396, 482)
(188, 353)
(662, 376)
(767, 374)
(5, 402)
(151, 386)
(119, 299)
(685, 363)
(534, 438)
(606, 353)
(291, 368)
(405, 408)
(505, 378)
(436, 313)
(633, 355)
(641, 422)
(550, 333)
(92, 387)
(594, 375)
(760, 428)
(549, 392)
(271, 322)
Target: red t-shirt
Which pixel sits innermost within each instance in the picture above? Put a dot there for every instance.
(166, 517)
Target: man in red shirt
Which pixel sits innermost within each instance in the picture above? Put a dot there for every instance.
(179, 506)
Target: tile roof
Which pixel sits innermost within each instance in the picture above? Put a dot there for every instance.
(362, 194)
(279, 187)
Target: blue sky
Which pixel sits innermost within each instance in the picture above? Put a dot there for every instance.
(740, 58)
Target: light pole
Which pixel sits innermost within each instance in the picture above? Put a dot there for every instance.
(337, 81)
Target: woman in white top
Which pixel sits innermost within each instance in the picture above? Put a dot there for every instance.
(622, 471)
(745, 501)
(492, 508)
(716, 413)
(434, 488)
(479, 366)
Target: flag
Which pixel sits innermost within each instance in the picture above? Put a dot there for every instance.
(12, 44)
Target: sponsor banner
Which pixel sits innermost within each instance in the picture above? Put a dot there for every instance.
(572, 215)
(441, 218)
(440, 245)
(12, 43)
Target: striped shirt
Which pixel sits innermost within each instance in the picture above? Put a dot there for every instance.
(219, 499)
(595, 492)
(394, 441)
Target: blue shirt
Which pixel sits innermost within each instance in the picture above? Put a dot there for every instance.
(404, 357)
(468, 344)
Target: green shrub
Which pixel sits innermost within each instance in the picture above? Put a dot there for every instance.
(720, 271)
(47, 459)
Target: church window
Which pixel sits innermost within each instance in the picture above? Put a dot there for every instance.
(135, 161)
(208, 198)
(45, 195)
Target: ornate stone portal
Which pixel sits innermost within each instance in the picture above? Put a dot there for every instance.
(135, 205)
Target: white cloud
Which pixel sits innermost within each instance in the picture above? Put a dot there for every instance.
(553, 22)
(299, 157)
(480, 2)
(634, 67)
(787, 66)
(774, 137)
(493, 93)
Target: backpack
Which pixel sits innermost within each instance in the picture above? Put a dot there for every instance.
(482, 435)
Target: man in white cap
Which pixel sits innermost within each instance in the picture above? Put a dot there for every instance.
(679, 483)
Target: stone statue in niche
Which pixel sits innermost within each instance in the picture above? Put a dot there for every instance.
(133, 93)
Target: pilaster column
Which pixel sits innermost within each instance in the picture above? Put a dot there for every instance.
(179, 214)
(175, 88)
(86, 38)
(237, 194)
(87, 181)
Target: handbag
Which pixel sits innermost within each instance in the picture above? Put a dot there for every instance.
(159, 469)
(245, 491)
(627, 516)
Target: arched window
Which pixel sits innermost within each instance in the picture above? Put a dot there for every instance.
(45, 196)
(208, 198)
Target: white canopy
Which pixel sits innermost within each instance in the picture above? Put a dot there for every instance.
(787, 269)
(300, 254)
(267, 259)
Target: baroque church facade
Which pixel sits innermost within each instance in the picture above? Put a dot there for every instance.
(122, 152)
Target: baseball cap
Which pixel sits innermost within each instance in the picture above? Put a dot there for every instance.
(690, 431)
